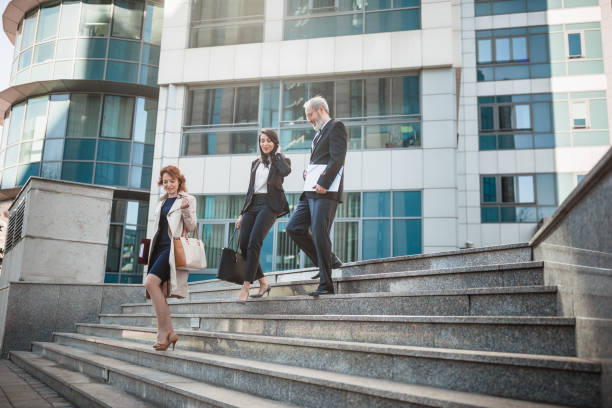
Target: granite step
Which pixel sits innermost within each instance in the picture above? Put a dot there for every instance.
(528, 335)
(544, 379)
(501, 275)
(505, 301)
(500, 254)
(118, 378)
(78, 388)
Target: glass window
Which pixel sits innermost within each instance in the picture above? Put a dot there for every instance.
(599, 116)
(35, 120)
(507, 189)
(30, 151)
(11, 155)
(296, 139)
(519, 48)
(91, 48)
(247, 104)
(124, 50)
(525, 189)
(29, 29)
(396, 20)
(83, 115)
(546, 189)
(148, 75)
(523, 116)
(25, 59)
(117, 117)
(113, 254)
(58, 116)
(349, 103)
(213, 236)
(77, 171)
(579, 114)
(54, 149)
(219, 206)
(405, 99)
(145, 120)
(393, 136)
(269, 107)
(326, 90)
(489, 193)
(51, 170)
(121, 72)
(89, 69)
(407, 204)
(65, 49)
(95, 18)
(44, 52)
(140, 177)
(220, 143)
(504, 113)
(63, 70)
(502, 50)
(376, 204)
(41, 72)
(114, 151)
(486, 118)
(210, 106)
(70, 19)
(350, 207)
(574, 41)
(24, 172)
(153, 23)
(542, 117)
(47, 23)
(378, 243)
(111, 174)
(79, 149)
(294, 96)
(142, 154)
(378, 96)
(150, 54)
(346, 241)
(127, 19)
(15, 126)
(407, 237)
(221, 22)
(485, 54)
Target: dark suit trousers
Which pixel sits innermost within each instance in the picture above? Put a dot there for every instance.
(318, 214)
(255, 225)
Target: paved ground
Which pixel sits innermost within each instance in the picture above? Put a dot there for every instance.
(18, 389)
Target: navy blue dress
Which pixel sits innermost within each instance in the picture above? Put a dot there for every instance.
(160, 261)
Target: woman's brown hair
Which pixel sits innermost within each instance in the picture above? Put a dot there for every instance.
(274, 138)
(175, 173)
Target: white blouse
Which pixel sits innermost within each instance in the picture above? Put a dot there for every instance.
(261, 179)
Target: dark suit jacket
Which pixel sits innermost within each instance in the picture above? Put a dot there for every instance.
(330, 149)
(280, 167)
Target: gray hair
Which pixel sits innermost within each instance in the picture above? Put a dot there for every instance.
(316, 102)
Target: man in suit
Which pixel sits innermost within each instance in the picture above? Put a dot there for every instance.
(323, 185)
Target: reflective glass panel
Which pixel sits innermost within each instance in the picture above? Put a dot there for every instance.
(145, 120)
(523, 116)
(296, 139)
(405, 99)
(142, 154)
(24, 172)
(140, 177)
(54, 149)
(47, 23)
(526, 190)
(393, 136)
(153, 23)
(220, 143)
(502, 50)
(44, 52)
(111, 174)
(117, 116)
(326, 90)
(65, 49)
(29, 29)
(350, 206)
(35, 120)
(392, 21)
(83, 115)
(79, 149)
(331, 26)
(210, 106)
(51, 170)
(148, 75)
(505, 116)
(124, 50)
(378, 96)
(58, 116)
(294, 96)
(247, 104)
(546, 189)
(75, 171)
(8, 177)
(63, 70)
(15, 126)
(489, 193)
(407, 237)
(542, 120)
(121, 72)
(579, 114)
(346, 241)
(270, 101)
(574, 44)
(485, 55)
(377, 245)
(150, 54)
(489, 214)
(25, 59)
(127, 18)
(349, 98)
(95, 18)
(213, 236)
(11, 155)
(89, 69)
(519, 48)
(376, 204)
(526, 214)
(113, 253)
(70, 19)
(41, 72)
(30, 151)
(486, 118)
(91, 48)
(406, 203)
(113, 151)
(507, 189)
(208, 36)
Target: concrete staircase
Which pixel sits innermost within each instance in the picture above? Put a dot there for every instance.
(471, 328)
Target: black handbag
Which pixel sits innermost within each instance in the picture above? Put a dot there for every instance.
(232, 267)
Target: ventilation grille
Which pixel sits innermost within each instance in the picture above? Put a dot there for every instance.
(15, 224)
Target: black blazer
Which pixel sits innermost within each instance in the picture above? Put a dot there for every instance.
(330, 149)
(280, 167)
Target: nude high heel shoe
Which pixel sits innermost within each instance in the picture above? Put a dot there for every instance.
(169, 340)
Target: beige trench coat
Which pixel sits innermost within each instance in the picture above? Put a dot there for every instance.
(179, 220)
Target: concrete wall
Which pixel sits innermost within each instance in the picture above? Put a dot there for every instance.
(33, 311)
(576, 246)
(64, 233)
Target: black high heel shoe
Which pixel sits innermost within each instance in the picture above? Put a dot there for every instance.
(265, 292)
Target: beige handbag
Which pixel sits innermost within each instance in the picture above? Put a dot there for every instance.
(189, 252)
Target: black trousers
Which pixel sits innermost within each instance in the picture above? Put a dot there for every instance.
(318, 214)
(255, 225)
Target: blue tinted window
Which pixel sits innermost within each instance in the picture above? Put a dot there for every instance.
(79, 149)
(377, 244)
(392, 21)
(407, 204)
(512, 72)
(483, 8)
(406, 237)
(378, 4)
(142, 154)
(140, 177)
(25, 59)
(536, 5)
(544, 141)
(16, 123)
(121, 72)
(113, 151)
(150, 54)
(486, 118)
(485, 53)
(376, 204)
(125, 50)
(91, 48)
(80, 172)
(51, 170)
(148, 75)
(269, 106)
(489, 194)
(111, 175)
(542, 120)
(502, 50)
(487, 142)
(323, 27)
(54, 149)
(25, 171)
(537, 48)
(8, 177)
(489, 214)
(519, 48)
(575, 45)
(405, 95)
(88, 69)
(508, 6)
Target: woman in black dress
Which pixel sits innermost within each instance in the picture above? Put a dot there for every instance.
(265, 202)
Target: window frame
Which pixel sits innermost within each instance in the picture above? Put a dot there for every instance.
(587, 113)
(582, 45)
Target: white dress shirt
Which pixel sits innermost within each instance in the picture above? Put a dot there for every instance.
(261, 179)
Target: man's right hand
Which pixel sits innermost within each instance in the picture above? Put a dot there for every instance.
(238, 222)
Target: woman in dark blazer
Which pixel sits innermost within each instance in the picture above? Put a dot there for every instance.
(265, 202)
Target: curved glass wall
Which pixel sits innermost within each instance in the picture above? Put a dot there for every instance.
(85, 137)
(91, 39)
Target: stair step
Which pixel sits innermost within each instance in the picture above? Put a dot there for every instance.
(459, 258)
(529, 335)
(504, 301)
(157, 387)
(76, 387)
(297, 385)
(502, 275)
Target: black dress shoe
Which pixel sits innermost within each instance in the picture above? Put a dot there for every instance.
(321, 292)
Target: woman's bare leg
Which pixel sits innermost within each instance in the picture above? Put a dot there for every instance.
(263, 285)
(162, 311)
(244, 292)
